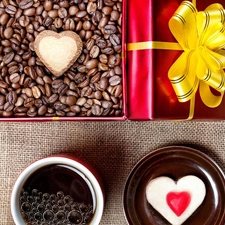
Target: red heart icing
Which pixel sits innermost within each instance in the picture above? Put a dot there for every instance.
(178, 201)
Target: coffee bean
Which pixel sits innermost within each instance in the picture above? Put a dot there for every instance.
(29, 12)
(118, 90)
(103, 83)
(27, 55)
(32, 61)
(47, 21)
(39, 9)
(4, 19)
(81, 101)
(2, 100)
(59, 105)
(57, 83)
(62, 89)
(94, 53)
(7, 113)
(31, 72)
(96, 18)
(46, 79)
(18, 58)
(3, 84)
(53, 13)
(103, 67)
(62, 12)
(29, 102)
(115, 40)
(118, 70)
(58, 23)
(107, 10)
(100, 4)
(115, 80)
(48, 4)
(53, 98)
(87, 25)
(95, 78)
(24, 21)
(28, 92)
(11, 97)
(107, 104)
(36, 92)
(14, 78)
(42, 110)
(101, 43)
(81, 14)
(6, 43)
(96, 110)
(19, 101)
(92, 64)
(8, 57)
(38, 103)
(10, 9)
(106, 96)
(73, 10)
(69, 24)
(86, 92)
(71, 100)
(32, 112)
(115, 15)
(90, 43)
(64, 4)
(13, 69)
(8, 32)
(103, 22)
(8, 106)
(110, 29)
(40, 81)
(108, 51)
(25, 4)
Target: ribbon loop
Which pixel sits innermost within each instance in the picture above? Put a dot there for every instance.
(202, 37)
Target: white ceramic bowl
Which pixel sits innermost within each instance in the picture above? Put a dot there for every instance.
(83, 169)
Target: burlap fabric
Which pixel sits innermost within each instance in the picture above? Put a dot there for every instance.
(112, 147)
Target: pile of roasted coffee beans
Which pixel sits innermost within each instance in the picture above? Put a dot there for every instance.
(53, 209)
(91, 87)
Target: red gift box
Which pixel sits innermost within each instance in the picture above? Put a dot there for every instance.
(150, 93)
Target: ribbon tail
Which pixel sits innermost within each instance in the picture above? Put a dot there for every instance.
(183, 77)
(208, 98)
(192, 109)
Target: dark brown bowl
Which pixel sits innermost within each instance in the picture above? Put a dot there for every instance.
(175, 162)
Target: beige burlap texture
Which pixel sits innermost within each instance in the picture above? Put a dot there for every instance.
(112, 147)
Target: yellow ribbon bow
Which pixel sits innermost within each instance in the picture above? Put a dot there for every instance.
(202, 37)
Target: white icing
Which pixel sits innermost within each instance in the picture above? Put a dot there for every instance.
(158, 188)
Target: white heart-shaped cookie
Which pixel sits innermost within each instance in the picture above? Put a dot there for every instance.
(58, 51)
(176, 201)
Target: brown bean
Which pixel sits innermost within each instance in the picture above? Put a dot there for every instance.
(36, 92)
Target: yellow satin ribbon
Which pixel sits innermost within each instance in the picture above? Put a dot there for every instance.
(202, 37)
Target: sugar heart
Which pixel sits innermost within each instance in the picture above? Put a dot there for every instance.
(58, 51)
(176, 201)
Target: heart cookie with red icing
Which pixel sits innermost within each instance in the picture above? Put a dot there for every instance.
(176, 201)
(58, 51)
